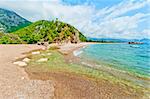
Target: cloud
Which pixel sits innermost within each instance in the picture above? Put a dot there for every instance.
(93, 22)
(119, 27)
(124, 7)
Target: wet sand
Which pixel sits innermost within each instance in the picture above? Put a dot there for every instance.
(76, 86)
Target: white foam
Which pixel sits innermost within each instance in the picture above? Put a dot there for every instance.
(84, 63)
(77, 52)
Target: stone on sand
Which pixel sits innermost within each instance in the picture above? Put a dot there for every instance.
(26, 60)
(20, 63)
(43, 48)
(22, 78)
(37, 52)
(49, 53)
(42, 60)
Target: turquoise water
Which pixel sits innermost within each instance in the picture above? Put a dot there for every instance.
(134, 59)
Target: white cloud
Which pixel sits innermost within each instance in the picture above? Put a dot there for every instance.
(120, 25)
(146, 33)
(105, 22)
(125, 7)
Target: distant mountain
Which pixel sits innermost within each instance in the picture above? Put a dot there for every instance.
(145, 40)
(10, 21)
(50, 31)
(108, 40)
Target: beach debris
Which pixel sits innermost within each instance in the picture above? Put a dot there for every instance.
(26, 60)
(42, 60)
(20, 63)
(37, 52)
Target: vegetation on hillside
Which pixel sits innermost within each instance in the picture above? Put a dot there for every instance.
(50, 31)
(10, 21)
(15, 28)
(10, 39)
(45, 31)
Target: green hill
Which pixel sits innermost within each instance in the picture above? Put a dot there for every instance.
(51, 31)
(48, 31)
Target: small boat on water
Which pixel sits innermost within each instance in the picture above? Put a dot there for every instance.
(135, 42)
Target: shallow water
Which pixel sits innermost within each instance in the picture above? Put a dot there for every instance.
(134, 59)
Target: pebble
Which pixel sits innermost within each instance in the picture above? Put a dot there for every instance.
(26, 60)
(37, 52)
(49, 53)
(20, 63)
(43, 48)
(43, 60)
(16, 62)
(22, 78)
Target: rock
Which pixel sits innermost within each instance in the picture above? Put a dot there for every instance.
(21, 56)
(49, 53)
(26, 60)
(37, 52)
(22, 78)
(43, 48)
(43, 60)
(20, 63)
(16, 63)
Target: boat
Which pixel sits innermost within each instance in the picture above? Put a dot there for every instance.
(135, 42)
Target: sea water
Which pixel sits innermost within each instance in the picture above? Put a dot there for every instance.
(134, 59)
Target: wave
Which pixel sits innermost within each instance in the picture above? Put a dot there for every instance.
(77, 52)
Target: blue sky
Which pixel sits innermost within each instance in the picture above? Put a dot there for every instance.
(95, 18)
(96, 3)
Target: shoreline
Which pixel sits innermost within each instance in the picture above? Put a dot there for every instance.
(68, 52)
(71, 79)
(118, 74)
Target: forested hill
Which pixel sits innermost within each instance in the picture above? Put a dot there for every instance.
(51, 31)
(47, 31)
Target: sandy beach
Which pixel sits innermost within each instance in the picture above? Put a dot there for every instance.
(18, 84)
(14, 81)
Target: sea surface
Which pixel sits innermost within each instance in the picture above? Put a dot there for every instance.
(133, 59)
